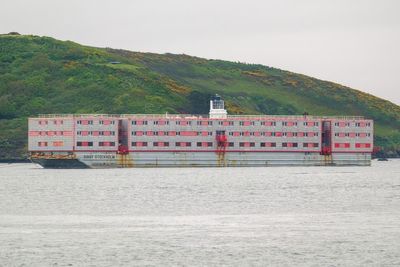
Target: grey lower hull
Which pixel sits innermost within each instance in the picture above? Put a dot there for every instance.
(205, 159)
(60, 163)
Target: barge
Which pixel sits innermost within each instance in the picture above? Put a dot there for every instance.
(213, 140)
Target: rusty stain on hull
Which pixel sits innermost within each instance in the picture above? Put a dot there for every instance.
(124, 161)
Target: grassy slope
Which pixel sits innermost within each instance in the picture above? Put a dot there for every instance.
(44, 75)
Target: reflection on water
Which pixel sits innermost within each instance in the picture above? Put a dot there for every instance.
(323, 216)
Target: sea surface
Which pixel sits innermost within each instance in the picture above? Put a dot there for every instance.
(273, 216)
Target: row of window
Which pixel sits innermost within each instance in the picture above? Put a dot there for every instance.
(205, 133)
(191, 133)
(356, 124)
(208, 122)
(249, 144)
(286, 134)
(46, 122)
(204, 144)
(83, 122)
(230, 144)
(96, 133)
(79, 144)
(89, 144)
(357, 145)
(171, 133)
(90, 122)
(353, 134)
(50, 133)
(54, 144)
(226, 123)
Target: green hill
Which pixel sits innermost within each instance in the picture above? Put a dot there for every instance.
(44, 75)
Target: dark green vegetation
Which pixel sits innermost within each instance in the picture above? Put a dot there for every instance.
(44, 75)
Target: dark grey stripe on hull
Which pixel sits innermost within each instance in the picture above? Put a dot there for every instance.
(60, 163)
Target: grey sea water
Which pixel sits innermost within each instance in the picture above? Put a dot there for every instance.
(280, 216)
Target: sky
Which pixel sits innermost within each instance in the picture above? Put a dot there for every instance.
(352, 42)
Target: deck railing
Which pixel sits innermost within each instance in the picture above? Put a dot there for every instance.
(190, 116)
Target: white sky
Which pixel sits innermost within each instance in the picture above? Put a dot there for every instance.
(352, 42)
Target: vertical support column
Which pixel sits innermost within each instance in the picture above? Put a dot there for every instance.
(122, 136)
(326, 144)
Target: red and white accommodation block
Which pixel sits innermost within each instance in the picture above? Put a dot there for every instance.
(70, 133)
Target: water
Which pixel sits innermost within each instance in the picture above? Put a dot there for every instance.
(297, 216)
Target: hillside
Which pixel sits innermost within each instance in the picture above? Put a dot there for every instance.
(44, 75)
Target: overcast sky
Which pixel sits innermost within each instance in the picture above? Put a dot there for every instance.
(351, 42)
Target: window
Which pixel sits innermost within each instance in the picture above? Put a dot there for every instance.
(177, 144)
(363, 145)
(289, 144)
(231, 144)
(139, 123)
(188, 144)
(267, 144)
(309, 145)
(241, 144)
(342, 145)
(199, 144)
(106, 143)
(268, 123)
(155, 143)
(246, 123)
(166, 143)
(252, 144)
(106, 122)
(58, 143)
(42, 144)
(82, 143)
(139, 143)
